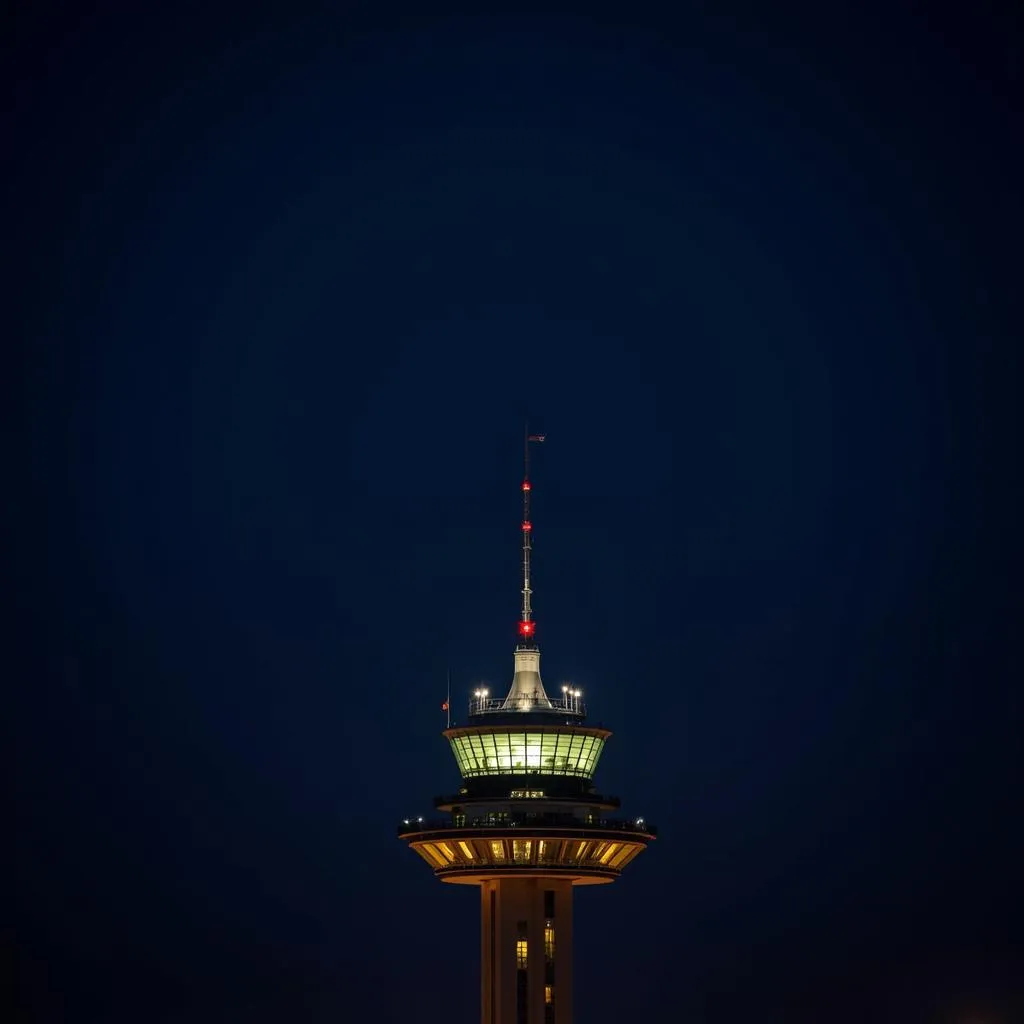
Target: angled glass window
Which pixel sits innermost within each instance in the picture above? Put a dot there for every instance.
(431, 854)
(620, 859)
(518, 753)
(533, 750)
(479, 758)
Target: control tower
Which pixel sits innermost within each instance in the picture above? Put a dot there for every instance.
(527, 826)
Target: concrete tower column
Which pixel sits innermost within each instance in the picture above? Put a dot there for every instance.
(563, 947)
(526, 951)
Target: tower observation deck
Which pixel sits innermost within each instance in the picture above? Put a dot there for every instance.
(526, 827)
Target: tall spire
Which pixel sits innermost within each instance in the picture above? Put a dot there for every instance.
(527, 691)
(527, 627)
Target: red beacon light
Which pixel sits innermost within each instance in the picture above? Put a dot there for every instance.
(527, 526)
(527, 628)
(526, 485)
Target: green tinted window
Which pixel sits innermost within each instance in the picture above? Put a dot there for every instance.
(502, 753)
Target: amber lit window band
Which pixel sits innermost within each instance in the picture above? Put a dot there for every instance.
(611, 854)
(514, 752)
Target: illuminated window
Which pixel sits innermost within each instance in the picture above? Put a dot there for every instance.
(549, 994)
(466, 851)
(517, 751)
(521, 850)
(497, 851)
(543, 849)
(447, 852)
(575, 749)
(560, 753)
(522, 986)
(549, 940)
(623, 855)
(533, 751)
(433, 856)
(613, 848)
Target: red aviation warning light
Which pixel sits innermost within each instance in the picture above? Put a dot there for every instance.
(527, 527)
(527, 628)
(526, 485)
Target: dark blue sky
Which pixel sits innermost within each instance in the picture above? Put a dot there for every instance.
(285, 289)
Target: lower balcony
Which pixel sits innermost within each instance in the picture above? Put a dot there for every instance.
(586, 855)
(559, 822)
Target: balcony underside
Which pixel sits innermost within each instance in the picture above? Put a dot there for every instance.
(470, 876)
(469, 856)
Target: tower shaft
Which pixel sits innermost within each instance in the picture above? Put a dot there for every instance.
(526, 951)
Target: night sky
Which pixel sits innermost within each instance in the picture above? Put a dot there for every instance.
(284, 290)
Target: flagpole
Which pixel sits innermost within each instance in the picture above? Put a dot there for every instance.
(448, 700)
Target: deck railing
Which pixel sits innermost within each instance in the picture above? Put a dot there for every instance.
(560, 822)
(568, 704)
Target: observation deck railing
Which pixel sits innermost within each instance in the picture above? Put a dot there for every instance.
(566, 705)
(561, 823)
(530, 797)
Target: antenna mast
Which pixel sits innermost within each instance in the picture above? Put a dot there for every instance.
(527, 627)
